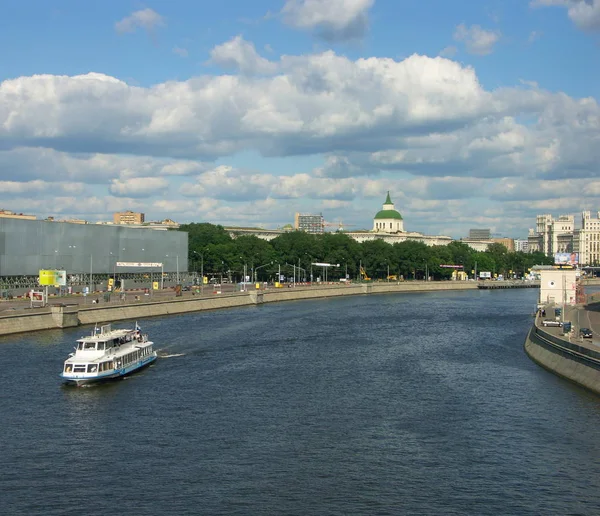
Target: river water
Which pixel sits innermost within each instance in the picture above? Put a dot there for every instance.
(381, 404)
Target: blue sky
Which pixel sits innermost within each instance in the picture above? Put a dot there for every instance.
(472, 113)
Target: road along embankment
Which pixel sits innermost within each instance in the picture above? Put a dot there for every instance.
(65, 315)
(576, 362)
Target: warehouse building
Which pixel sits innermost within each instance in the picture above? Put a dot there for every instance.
(28, 246)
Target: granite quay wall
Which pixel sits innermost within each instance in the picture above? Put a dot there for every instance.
(566, 359)
(64, 316)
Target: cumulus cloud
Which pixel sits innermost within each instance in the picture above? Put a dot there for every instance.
(584, 13)
(138, 186)
(332, 20)
(146, 19)
(181, 52)
(423, 126)
(30, 163)
(241, 55)
(20, 188)
(477, 40)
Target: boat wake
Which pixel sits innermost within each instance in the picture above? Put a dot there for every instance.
(170, 355)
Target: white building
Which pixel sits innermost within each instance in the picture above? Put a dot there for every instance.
(552, 236)
(521, 245)
(587, 239)
(388, 220)
(558, 286)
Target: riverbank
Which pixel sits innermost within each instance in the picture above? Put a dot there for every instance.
(568, 355)
(65, 314)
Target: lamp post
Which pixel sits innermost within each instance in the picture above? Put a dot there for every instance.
(201, 254)
(260, 267)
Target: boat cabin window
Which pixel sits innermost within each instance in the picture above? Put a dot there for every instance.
(90, 345)
(79, 368)
(92, 368)
(68, 368)
(80, 345)
(100, 346)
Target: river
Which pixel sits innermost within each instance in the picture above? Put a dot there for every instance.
(380, 404)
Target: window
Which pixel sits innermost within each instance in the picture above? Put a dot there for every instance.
(101, 345)
(92, 368)
(79, 368)
(90, 345)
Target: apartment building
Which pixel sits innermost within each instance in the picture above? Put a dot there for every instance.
(309, 223)
(586, 241)
(128, 217)
(551, 235)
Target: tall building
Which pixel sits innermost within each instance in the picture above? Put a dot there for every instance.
(521, 245)
(128, 217)
(552, 236)
(480, 234)
(309, 223)
(587, 239)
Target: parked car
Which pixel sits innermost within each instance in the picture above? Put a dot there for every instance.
(586, 333)
(551, 322)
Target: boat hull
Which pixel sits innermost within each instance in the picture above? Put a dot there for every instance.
(80, 380)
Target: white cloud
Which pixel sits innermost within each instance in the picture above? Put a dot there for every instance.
(138, 186)
(423, 126)
(584, 13)
(477, 40)
(241, 55)
(332, 20)
(12, 188)
(448, 51)
(181, 52)
(146, 19)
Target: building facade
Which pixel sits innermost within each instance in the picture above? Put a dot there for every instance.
(586, 240)
(551, 235)
(480, 234)
(309, 223)
(128, 217)
(28, 246)
(388, 220)
(7, 214)
(521, 245)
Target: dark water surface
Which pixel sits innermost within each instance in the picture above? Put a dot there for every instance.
(381, 404)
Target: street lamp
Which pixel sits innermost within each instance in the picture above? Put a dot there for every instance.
(201, 254)
(260, 267)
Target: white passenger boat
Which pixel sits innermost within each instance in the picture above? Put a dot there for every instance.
(108, 354)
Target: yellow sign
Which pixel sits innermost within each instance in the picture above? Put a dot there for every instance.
(53, 277)
(205, 280)
(155, 285)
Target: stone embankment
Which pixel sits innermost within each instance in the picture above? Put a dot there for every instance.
(65, 315)
(568, 356)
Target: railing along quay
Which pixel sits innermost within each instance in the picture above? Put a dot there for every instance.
(489, 285)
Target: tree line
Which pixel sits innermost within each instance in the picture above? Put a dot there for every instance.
(214, 252)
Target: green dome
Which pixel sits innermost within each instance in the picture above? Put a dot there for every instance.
(388, 214)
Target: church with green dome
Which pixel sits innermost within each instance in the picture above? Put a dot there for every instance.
(388, 220)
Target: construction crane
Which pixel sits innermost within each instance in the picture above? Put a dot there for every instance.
(363, 274)
(340, 225)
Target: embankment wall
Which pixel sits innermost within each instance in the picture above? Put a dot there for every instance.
(566, 359)
(73, 315)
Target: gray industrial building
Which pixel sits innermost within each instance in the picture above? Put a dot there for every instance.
(27, 246)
